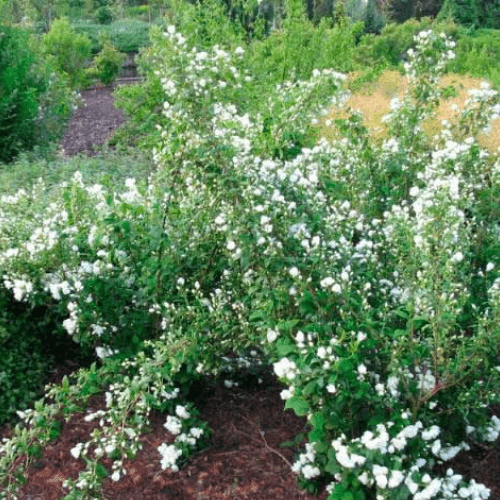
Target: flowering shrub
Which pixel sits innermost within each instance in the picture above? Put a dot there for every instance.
(366, 274)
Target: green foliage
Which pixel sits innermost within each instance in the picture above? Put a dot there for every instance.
(18, 95)
(490, 15)
(103, 15)
(463, 12)
(67, 51)
(477, 55)
(140, 12)
(129, 35)
(339, 15)
(395, 39)
(402, 10)
(108, 62)
(301, 47)
(205, 24)
(110, 166)
(374, 20)
(472, 13)
(34, 102)
(91, 30)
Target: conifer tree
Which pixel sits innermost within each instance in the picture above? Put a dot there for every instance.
(374, 21)
(340, 14)
(402, 10)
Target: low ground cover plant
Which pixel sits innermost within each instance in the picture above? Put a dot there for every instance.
(367, 275)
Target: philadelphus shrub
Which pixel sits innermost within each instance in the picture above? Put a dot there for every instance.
(365, 274)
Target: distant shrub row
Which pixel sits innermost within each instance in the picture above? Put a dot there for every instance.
(127, 35)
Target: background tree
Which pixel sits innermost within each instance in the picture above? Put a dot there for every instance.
(374, 20)
(340, 14)
(67, 51)
(402, 10)
(490, 15)
(464, 12)
(431, 8)
(355, 9)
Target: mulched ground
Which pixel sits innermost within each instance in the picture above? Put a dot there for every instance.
(92, 124)
(244, 459)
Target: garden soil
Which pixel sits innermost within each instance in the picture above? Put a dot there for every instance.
(244, 459)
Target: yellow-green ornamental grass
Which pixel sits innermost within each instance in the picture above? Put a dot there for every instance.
(373, 100)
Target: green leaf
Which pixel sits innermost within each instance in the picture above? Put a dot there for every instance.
(298, 405)
(284, 347)
(126, 226)
(316, 436)
(307, 305)
(288, 325)
(65, 383)
(344, 366)
(101, 471)
(318, 420)
(257, 315)
(310, 388)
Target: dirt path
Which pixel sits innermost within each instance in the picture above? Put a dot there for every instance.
(92, 124)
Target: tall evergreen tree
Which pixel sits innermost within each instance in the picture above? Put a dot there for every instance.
(340, 14)
(402, 10)
(374, 21)
(490, 14)
(464, 12)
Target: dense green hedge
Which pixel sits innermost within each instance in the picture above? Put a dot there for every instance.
(127, 35)
(33, 100)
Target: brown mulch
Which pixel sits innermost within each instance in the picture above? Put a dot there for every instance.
(243, 458)
(91, 125)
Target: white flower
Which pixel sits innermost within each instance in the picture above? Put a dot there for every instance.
(69, 325)
(170, 454)
(286, 394)
(431, 433)
(361, 336)
(436, 446)
(116, 475)
(331, 388)
(272, 335)
(285, 368)
(395, 479)
(76, 450)
(327, 282)
(336, 288)
(173, 425)
(182, 412)
(196, 432)
(103, 352)
(430, 491)
(380, 474)
(294, 272)
(458, 257)
(231, 245)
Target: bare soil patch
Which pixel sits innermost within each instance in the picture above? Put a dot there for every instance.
(93, 124)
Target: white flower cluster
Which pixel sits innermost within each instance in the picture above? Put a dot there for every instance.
(387, 474)
(305, 463)
(285, 368)
(171, 453)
